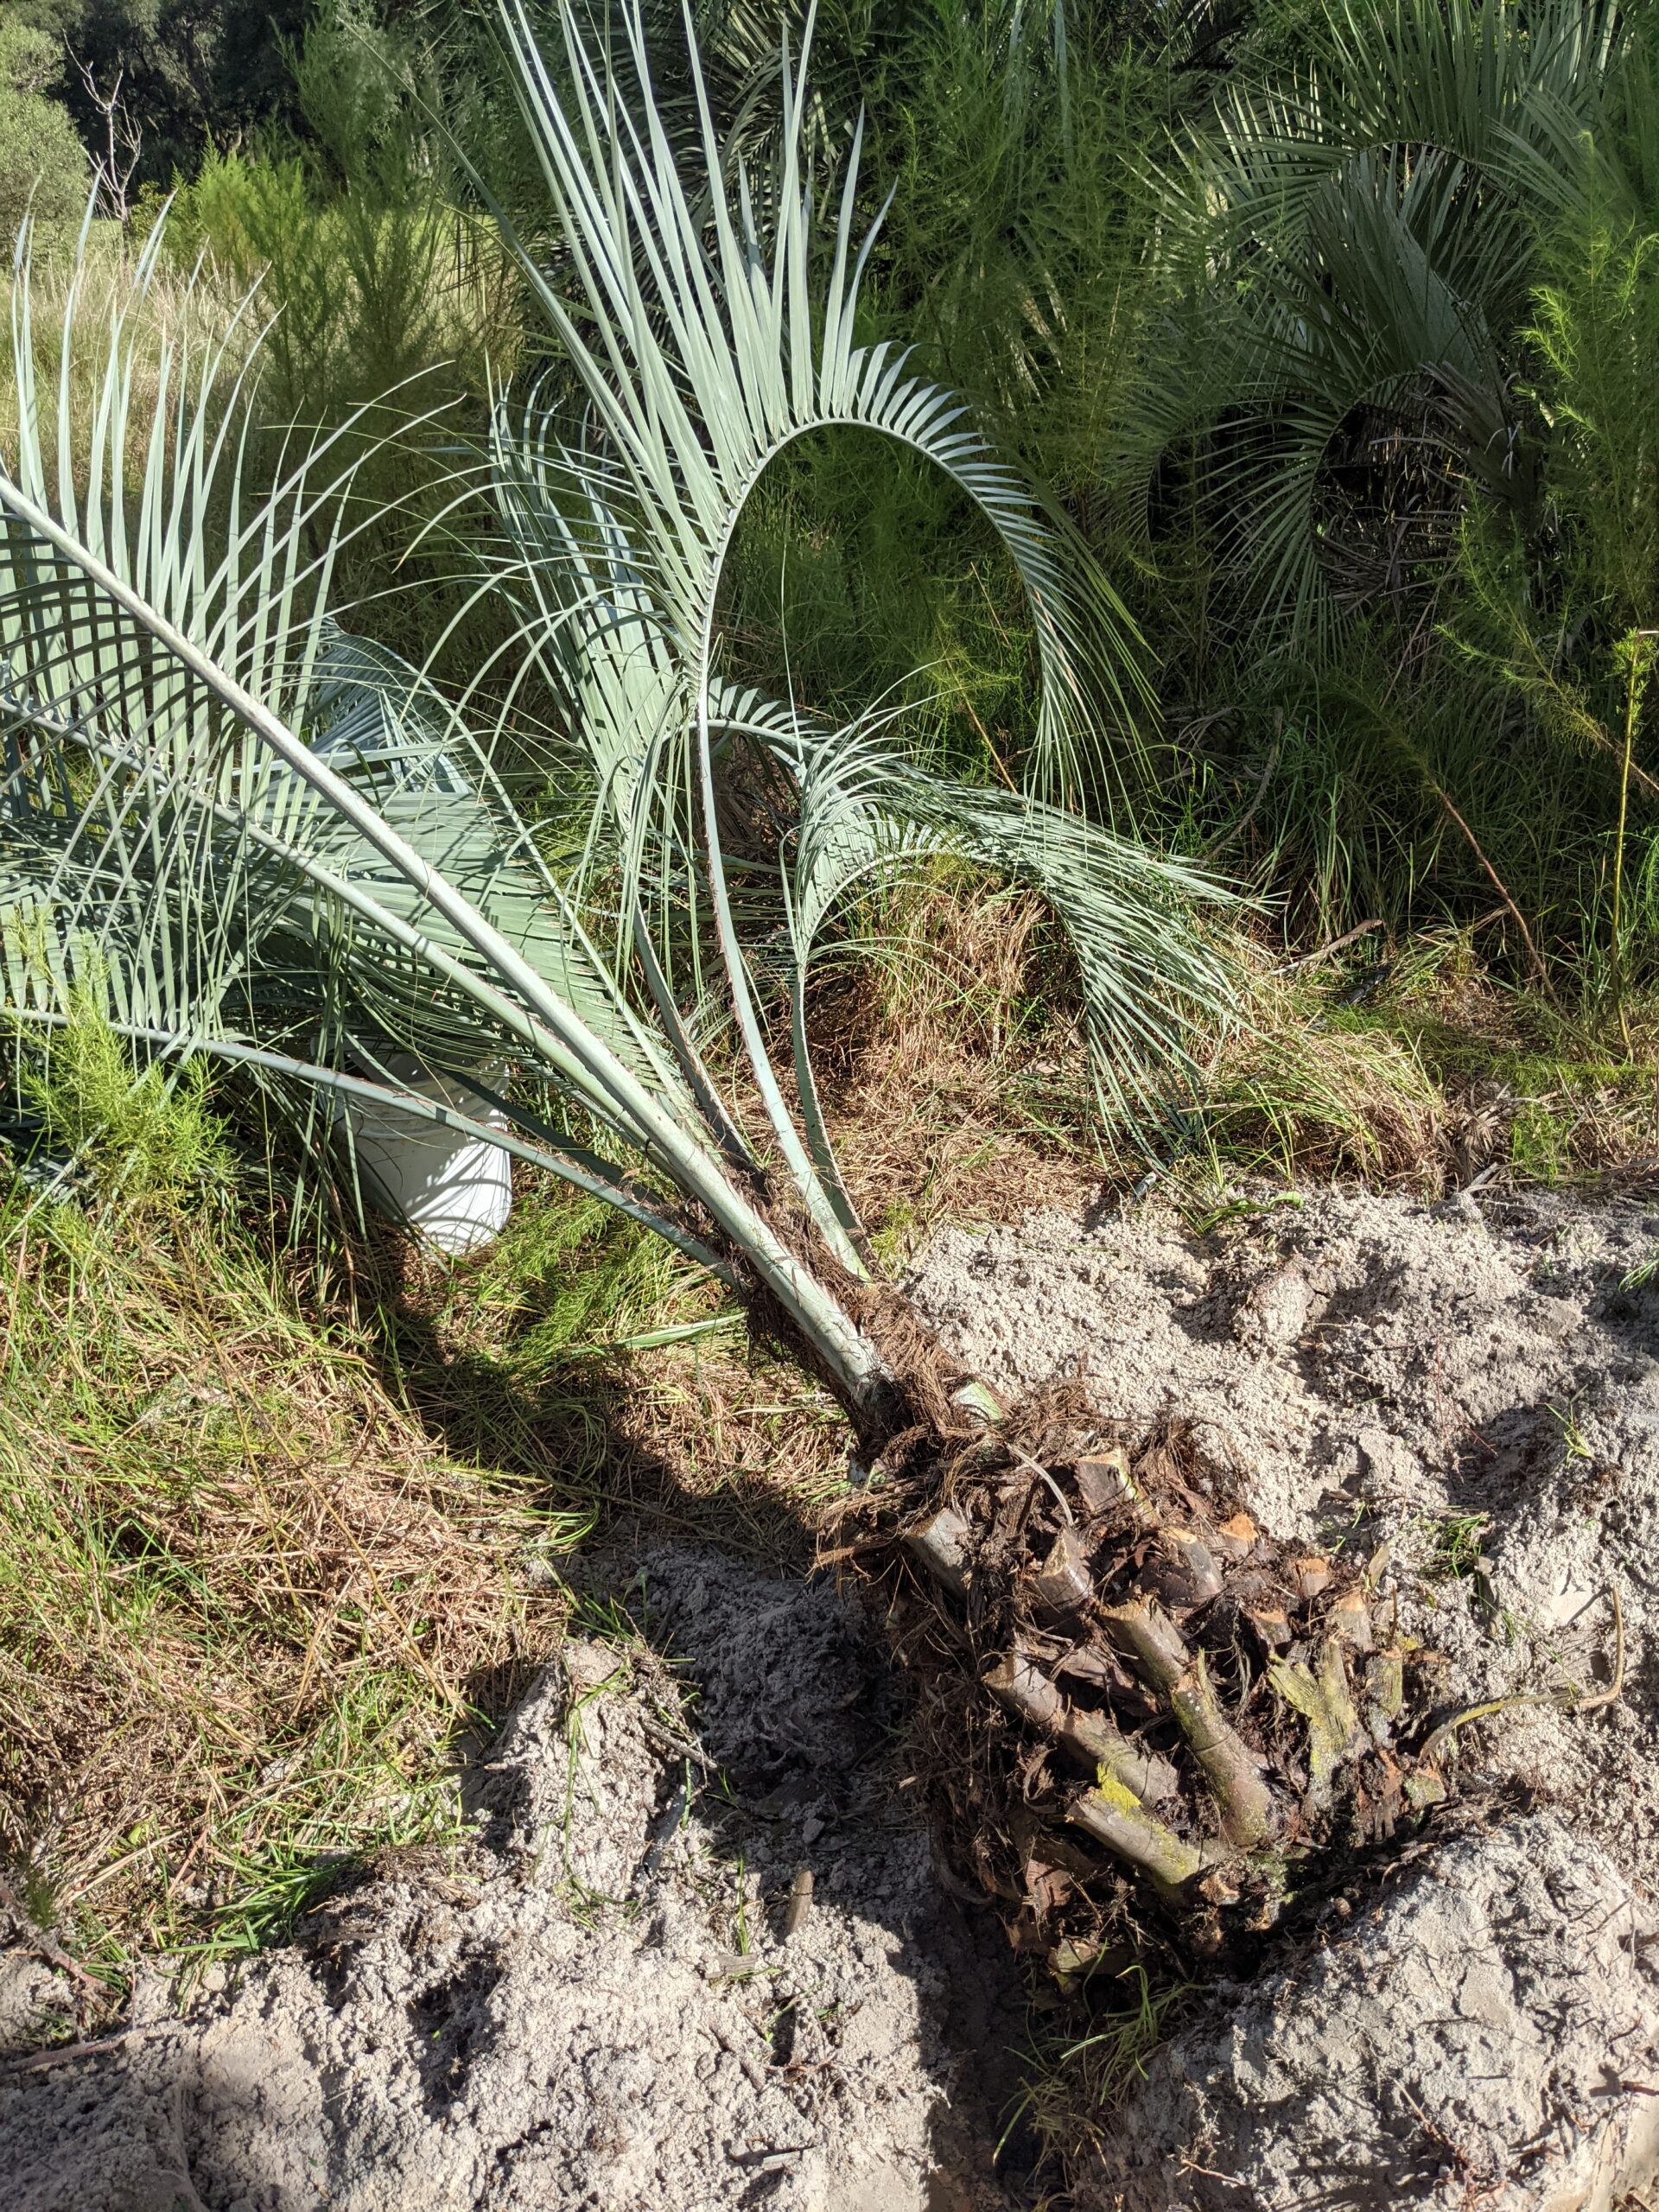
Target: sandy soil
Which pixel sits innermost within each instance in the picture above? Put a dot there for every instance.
(1470, 1383)
(1469, 1391)
(595, 2003)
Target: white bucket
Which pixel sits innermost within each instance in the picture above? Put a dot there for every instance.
(453, 1190)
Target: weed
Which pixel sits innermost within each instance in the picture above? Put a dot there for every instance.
(584, 1900)
(1075, 2083)
(745, 1940)
(142, 1136)
(1574, 1443)
(1455, 1552)
(1539, 1142)
(1206, 1220)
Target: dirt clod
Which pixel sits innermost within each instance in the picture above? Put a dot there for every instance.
(593, 2004)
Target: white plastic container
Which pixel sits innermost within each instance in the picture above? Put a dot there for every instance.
(453, 1190)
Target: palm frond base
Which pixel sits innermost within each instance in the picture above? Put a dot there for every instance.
(1140, 1715)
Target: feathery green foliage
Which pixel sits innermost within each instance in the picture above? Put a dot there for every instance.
(140, 1137)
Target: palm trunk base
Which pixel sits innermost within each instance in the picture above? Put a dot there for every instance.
(1140, 1715)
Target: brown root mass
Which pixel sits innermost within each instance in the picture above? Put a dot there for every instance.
(1138, 1713)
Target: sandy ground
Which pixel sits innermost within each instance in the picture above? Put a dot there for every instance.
(595, 2005)
(1468, 1392)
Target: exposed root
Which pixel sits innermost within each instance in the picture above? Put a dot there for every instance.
(1133, 1703)
(1566, 1699)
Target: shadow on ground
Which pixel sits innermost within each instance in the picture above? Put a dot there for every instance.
(605, 1998)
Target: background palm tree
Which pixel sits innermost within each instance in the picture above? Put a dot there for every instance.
(1354, 243)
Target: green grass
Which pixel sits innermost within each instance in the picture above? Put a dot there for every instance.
(1409, 1062)
(247, 1604)
(1456, 1552)
(1076, 2080)
(522, 1358)
(282, 1533)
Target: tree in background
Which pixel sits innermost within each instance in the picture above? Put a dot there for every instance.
(42, 167)
(194, 73)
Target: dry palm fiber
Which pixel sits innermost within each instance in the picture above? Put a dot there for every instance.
(1135, 1709)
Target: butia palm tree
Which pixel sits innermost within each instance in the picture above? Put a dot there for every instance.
(256, 835)
(238, 830)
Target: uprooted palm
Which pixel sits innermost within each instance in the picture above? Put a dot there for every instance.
(237, 830)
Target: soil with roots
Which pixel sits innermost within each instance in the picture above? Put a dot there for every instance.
(623, 1993)
(1474, 1386)
(1464, 1396)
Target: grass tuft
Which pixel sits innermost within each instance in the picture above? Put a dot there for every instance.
(1409, 1065)
(1077, 2081)
(245, 1604)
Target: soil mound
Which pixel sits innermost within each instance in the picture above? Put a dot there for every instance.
(1476, 1387)
(605, 2001)
(595, 2003)
(1466, 1397)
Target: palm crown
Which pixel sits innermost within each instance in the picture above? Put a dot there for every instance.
(239, 829)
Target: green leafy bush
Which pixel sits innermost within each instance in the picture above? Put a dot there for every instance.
(43, 171)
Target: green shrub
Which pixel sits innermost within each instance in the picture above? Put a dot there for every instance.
(145, 1133)
(43, 171)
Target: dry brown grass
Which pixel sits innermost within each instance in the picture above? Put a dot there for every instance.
(954, 1070)
(1410, 1065)
(245, 1603)
(956, 1074)
(1292, 1092)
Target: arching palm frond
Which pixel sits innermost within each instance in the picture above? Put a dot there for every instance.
(178, 848)
(717, 346)
(712, 350)
(240, 831)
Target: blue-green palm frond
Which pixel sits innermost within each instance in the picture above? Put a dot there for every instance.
(242, 831)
